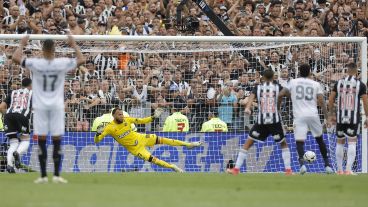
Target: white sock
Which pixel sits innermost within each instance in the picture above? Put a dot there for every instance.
(351, 155)
(241, 157)
(23, 146)
(339, 155)
(13, 146)
(286, 157)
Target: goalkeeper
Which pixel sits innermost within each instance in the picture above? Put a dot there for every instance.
(120, 129)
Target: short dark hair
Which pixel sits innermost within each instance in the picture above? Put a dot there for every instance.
(48, 45)
(115, 110)
(213, 112)
(304, 70)
(26, 82)
(351, 66)
(268, 74)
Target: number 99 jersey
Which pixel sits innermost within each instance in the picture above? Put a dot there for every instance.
(304, 93)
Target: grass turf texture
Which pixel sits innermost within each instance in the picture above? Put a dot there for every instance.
(191, 189)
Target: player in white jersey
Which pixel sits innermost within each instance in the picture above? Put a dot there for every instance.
(306, 94)
(48, 75)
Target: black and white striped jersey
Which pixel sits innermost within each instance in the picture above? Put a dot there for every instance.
(266, 94)
(19, 101)
(8, 20)
(348, 92)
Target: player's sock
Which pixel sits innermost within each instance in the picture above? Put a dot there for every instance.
(160, 162)
(351, 155)
(13, 146)
(339, 156)
(23, 146)
(241, 157)
(42, 156)
(323, 150)
(286, 157)
(172, 142)
(300, 149)
(56, 155)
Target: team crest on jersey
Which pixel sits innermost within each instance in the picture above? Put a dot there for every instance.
(255, 134)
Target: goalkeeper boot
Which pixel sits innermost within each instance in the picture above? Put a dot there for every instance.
(288, 171)
(329, 170)
(234, 171)
(41, 180)
(16, 159)
(10, 169)
(349, 172)
(58, 179)
(194, 144)
(303, 169)
(177, 169)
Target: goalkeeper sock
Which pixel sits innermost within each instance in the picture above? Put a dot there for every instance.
(13, 146)
(339, 155)
(286, 157)
(42, 156)
(172, 142)
(241, 157)
(159, 162)
(300, 149)
(351, 155)
(323, 150)
(56, 156)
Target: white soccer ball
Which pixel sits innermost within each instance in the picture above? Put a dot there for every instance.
(310, 156)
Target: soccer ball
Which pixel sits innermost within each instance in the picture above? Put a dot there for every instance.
(309, 156)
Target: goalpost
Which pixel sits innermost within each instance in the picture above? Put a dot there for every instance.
(208, 65)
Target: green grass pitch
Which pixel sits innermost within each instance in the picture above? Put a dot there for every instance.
(187, 189)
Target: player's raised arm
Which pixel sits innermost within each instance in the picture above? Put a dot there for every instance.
(146, 120)
(18, 54)
(80, 59)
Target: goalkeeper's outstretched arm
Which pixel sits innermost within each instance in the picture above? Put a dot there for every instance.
(101, 132)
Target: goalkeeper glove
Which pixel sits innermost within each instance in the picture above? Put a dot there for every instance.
(158, 112)
(99, 130)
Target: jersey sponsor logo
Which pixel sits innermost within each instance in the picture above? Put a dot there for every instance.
(124, 134)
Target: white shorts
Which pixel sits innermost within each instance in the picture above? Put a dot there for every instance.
(49, 121)
(304, 124)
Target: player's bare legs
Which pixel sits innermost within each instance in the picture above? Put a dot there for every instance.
(174, 142)
(42, 157)
(56, 155)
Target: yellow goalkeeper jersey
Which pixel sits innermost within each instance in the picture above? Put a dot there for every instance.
(123, 132)
(107, 118)
(177, 122)
(214, 125)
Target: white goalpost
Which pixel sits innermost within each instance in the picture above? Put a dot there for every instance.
(198, 69)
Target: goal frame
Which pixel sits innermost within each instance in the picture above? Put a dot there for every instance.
(362, 41)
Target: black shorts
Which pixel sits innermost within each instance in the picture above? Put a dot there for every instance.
(261, 132)
(350, 130)
(15, 123)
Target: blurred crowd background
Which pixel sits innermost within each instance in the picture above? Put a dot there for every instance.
(201, 81)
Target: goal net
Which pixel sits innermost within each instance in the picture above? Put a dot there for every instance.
(209, 74)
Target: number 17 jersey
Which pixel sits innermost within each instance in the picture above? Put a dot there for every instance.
(48, 78)
(303, 92)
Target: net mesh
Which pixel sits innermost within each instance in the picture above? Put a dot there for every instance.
(117, 73)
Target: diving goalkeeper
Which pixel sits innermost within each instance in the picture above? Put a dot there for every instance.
(120, 129)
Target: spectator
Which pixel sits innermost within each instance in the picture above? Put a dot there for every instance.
(227, 105)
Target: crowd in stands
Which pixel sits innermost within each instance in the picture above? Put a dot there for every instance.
(204, 81)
